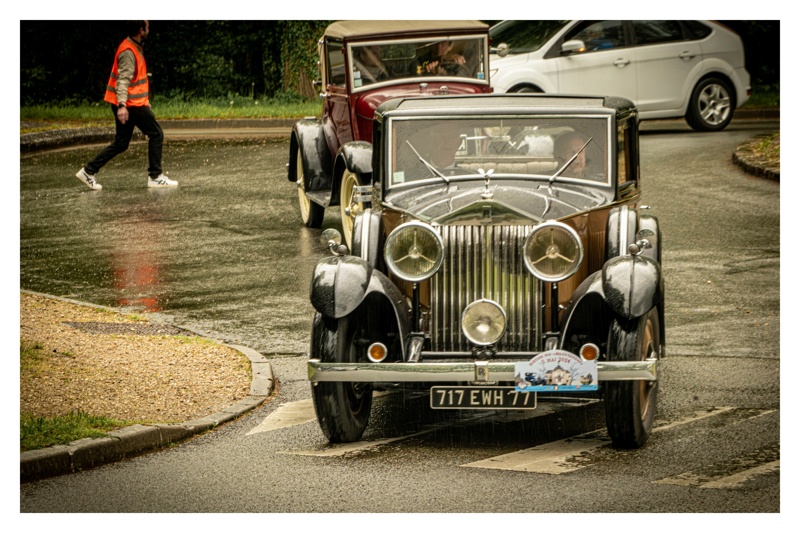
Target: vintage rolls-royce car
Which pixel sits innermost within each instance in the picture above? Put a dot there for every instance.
(363, 63)
(501, 255)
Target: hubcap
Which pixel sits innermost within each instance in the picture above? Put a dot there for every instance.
(715, 104)
(305, 203)
(349, 208)
(647, 388)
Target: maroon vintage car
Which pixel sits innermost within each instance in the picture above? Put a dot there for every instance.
(362, 64)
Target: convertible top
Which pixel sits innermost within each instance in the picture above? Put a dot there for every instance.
(350, 29)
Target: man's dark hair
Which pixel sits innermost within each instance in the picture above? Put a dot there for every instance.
(133, 27)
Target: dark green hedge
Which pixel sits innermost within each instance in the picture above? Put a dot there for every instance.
(64, 61)
(69, 61)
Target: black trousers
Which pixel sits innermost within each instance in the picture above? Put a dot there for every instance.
(143, 118)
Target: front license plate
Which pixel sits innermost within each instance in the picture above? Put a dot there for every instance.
(481, 398)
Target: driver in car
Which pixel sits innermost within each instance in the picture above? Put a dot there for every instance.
(444, 62)
(568, 145)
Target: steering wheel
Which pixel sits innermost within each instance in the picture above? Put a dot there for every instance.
(453, 68)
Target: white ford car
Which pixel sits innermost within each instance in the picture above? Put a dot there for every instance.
(668, 68)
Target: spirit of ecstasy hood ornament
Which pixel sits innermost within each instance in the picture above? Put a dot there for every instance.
(487, 194)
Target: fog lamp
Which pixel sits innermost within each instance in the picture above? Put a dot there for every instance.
(483, 322)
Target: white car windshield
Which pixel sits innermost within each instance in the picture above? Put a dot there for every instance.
(557, 148)
(523, 36)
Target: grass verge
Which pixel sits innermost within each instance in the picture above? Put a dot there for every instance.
(37, 432)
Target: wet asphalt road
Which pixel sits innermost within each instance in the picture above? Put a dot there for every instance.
(225, 253)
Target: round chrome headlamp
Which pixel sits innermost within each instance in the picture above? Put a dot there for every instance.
(414, 251)
(483, 322)
(553, 251)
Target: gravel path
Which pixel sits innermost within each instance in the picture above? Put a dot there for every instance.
(121, 366)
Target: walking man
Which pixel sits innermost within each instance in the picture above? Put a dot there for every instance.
(127, 92)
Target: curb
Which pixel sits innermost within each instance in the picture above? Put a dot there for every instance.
(66, 138)
(134, 440)
(743, 157)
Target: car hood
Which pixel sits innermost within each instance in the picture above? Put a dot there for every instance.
(368, 102)
(503, 202)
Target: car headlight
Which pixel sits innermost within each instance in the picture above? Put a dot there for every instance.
(483, 322)
(553, 251)
(414, 251)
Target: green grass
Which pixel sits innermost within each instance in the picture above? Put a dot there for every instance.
(97, 113)
(37, 432)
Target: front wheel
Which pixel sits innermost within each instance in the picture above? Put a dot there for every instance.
(711, 106)
(310, 212)
(631, 405)
(342, 408)
(349, 208)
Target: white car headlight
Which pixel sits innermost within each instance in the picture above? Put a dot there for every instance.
(553, 251)
(414, 251)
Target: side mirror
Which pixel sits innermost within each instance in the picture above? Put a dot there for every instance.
(574, 46)
(502, 49)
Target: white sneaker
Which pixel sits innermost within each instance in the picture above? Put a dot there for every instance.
(161, 181)
(88, 179)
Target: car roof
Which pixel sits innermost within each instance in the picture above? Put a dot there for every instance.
(500, 103)
(348, 29)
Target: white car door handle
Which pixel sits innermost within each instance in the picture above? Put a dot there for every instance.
(622, 62)
(686, 55)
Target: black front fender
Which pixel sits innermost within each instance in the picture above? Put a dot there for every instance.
(341, 284)
(355, 156)
(632, 285)
(308, 137)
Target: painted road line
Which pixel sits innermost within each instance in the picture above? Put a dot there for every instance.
(556, 458)
(738, 479)
(287, 415)
(691, 479)
(292, 414)
(338, 450)
(699, 415)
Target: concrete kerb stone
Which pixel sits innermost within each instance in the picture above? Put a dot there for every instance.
(137, 439)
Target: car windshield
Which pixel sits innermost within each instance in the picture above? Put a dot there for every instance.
(389, 61)
(523, 36)
(555, 148)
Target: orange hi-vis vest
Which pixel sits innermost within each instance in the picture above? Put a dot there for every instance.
(139, 88)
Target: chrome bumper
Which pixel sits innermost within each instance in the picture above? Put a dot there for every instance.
(472, 371)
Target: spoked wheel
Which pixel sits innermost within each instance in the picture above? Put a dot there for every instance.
(711, 106)
(349, 208)
(631, 405)
(342, 408)
(311, 213)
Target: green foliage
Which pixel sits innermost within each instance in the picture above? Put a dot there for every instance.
(764, 96)
(70, 60)
(39, 432)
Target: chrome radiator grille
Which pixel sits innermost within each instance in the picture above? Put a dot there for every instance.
(484, 262)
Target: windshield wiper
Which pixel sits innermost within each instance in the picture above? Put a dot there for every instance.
(430, 167)
(571, 159)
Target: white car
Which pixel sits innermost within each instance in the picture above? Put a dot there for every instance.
(668, 68)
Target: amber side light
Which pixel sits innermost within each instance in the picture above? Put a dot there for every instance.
(590, 352)
(376, 352)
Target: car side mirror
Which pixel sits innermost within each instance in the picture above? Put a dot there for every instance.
(502, 49)
(574, 46)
